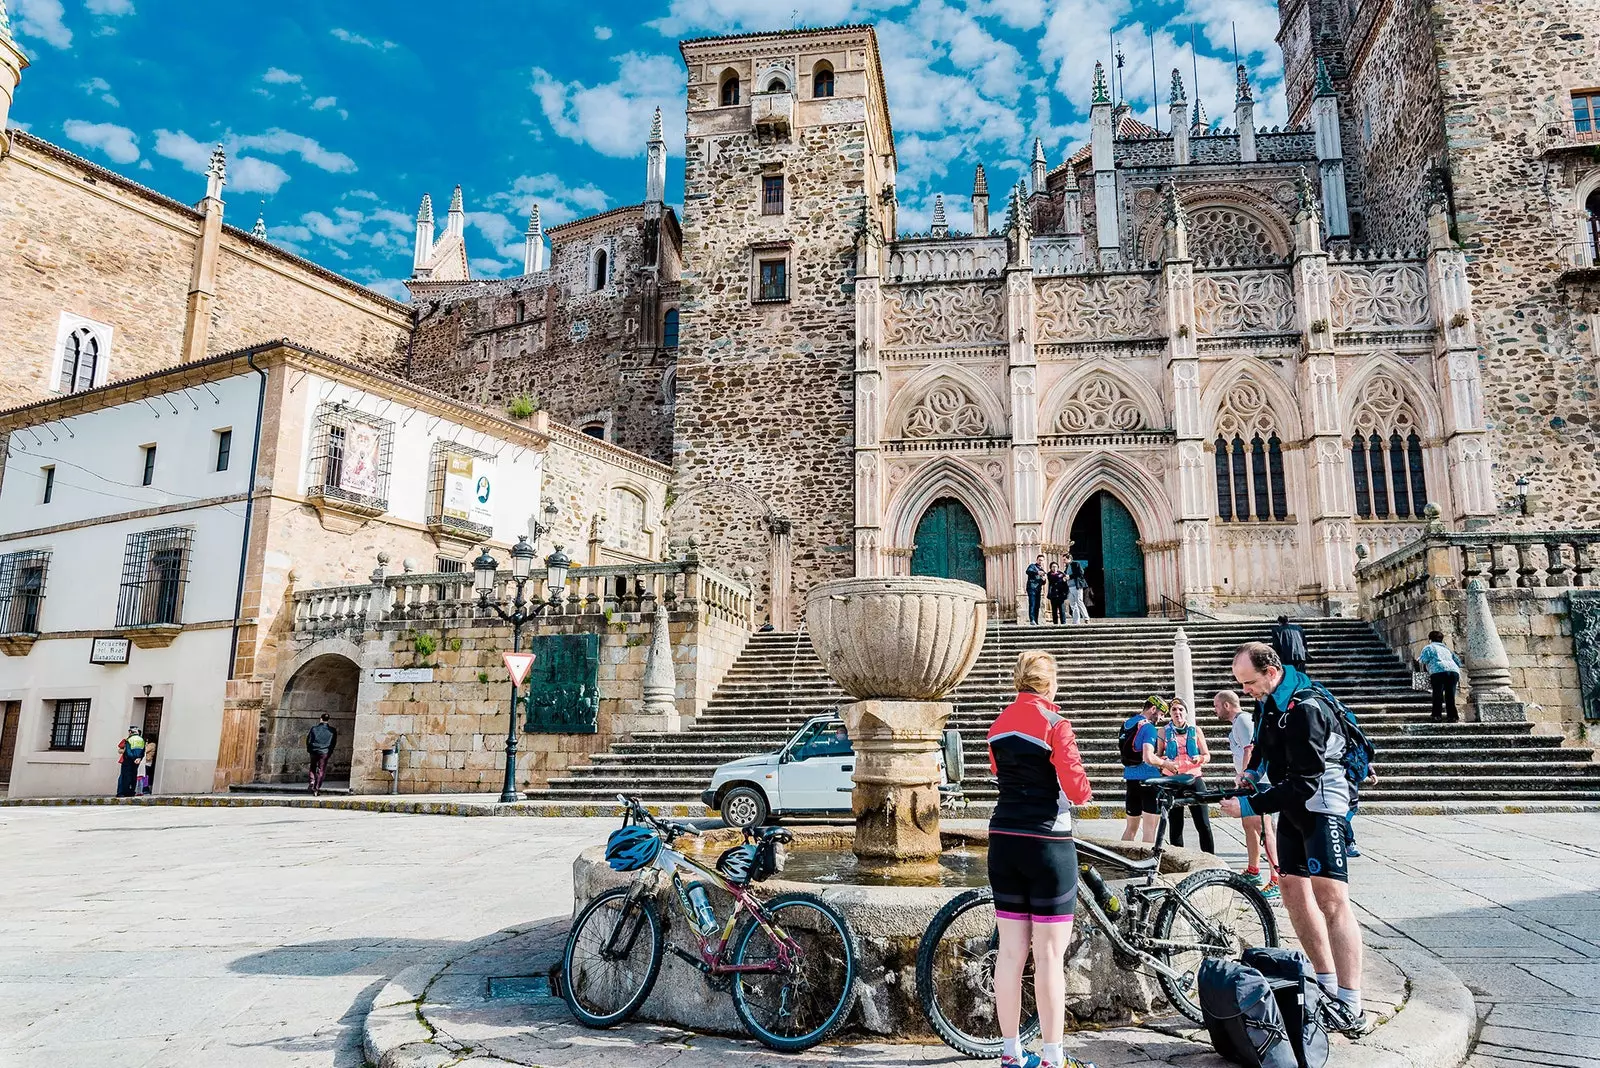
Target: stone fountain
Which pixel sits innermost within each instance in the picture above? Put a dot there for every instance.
(897, 646)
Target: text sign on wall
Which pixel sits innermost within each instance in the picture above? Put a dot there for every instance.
(109, 651)
(402, 674)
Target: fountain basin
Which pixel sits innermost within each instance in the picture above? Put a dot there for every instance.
(889, 921)
(900, 638)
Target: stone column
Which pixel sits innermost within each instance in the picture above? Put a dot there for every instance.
(1328, 492)
(203, 276)
(896, 795)
(1183, 671)
(1196, 585)
(869, 390)
(1027, 472)
(660, 707)
(1488, 666)
(1467, 458)
(1102, 137)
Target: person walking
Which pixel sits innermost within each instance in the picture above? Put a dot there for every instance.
(1033, 863)
(1036, 585)
(1140, 763)
(130, 751)
(1444, 675)
(1077, 588)
(1184, 744)
(1057, 593)
(320, 740)
(1257, 829)
(147, 768)
(1289, 642)
(1298, 770)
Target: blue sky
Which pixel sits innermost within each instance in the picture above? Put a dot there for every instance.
(338, 117)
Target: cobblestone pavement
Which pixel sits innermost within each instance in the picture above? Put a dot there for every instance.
(134, 936)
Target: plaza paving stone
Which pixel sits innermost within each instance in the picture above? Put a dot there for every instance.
(175, 936)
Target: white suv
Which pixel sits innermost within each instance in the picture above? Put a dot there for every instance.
(809, 775)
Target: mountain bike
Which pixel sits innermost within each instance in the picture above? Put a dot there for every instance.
(1163, 929)
(790, 966)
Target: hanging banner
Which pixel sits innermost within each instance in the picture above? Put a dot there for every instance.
(468, 489)
(359, 471)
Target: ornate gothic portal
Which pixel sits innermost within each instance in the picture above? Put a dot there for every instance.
(1105, 537)
(948, 544)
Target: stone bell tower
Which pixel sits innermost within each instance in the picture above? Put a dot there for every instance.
(788, 199)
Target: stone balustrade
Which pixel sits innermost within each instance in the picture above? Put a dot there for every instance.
(937, 259)
(404, 600)
(1557, 559)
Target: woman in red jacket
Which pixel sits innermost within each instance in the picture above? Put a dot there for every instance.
(1033, 865)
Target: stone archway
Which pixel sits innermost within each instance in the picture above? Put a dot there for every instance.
(947, 543)
(325, 683)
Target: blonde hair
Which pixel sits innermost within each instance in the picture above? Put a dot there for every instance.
(1036, 672)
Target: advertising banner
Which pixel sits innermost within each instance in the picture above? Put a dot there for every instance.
(469, 489)
(359, 471)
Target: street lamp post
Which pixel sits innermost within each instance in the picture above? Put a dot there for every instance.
(523, 610)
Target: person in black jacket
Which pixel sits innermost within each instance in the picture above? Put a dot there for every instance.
(1289, 642)
(1297, 767)
(1036, 585)
(320, 740)
(1057, 592)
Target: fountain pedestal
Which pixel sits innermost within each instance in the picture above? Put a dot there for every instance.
(896, 796)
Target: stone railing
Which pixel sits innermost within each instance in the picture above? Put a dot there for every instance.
(1058, 255)
(407, 599)
(945, 258)
(1557, 559)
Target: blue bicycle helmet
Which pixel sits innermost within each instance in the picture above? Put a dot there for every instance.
(631, 848)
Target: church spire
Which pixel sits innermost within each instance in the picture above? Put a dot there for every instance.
(1102, 95)
(940, 227)
(1178, 118)
(423, 250)
(456, 221)
(1040, 168)
(980, 203)
(1179, 95)
(259, 231)
(655, 185)
(216, 173)
(533, 244)
(1202, 121)
(1241, 93)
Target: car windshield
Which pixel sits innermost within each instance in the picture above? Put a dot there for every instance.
(821, 739)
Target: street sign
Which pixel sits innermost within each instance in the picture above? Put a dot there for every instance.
(519, 664)
(109, 651)
(402, 674)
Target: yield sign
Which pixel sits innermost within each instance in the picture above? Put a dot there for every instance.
(519, 664)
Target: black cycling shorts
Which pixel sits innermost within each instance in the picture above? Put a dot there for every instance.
(1141, 799)
(1312, 844)
(1033, 878)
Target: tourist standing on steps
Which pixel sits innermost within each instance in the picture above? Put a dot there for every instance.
(130, 751)
(1057, 593)
(1257, 829)
(1077, 587)
(1184, 744)
(1289, 642)
(1033, 864)
(1136, 743)
(1297, 767)
(1036, 585)
(319, 744)
(1444, 675)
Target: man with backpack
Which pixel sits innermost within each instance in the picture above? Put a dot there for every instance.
(1299, 764)
(1289, 642)
(1136, 743)
(130, 751)
(319, 744)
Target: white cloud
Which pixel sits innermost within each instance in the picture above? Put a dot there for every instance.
(277, 142)
(176, 145)
(1019, 14)
(558, 202)
(602, 33)
(322, 103)
(279, 76)
(393, 288)
(117, 142)
(614, 118)
(365, 42)
(109, 7)
(42, 19)
(245, 174)
(101, 88)
(684, 16)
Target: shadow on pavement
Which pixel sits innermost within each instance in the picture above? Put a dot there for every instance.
(348, 956)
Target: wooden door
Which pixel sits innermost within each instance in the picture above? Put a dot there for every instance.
(948, 545)
(10, 713)
(1124, 559)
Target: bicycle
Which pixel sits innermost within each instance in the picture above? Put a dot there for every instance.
(1166, 930)
(790, 967)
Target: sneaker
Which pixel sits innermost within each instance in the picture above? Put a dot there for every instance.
(1029, 1060)
(1256, 878)
(1351, 1025)
(1272, 893)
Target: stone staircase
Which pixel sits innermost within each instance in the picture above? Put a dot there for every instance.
(1106, 671)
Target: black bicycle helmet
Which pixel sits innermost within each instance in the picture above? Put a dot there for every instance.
(738, 864)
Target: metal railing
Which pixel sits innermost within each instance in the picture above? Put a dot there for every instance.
(1177, 610)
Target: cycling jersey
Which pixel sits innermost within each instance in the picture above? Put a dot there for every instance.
(1299, 746)
(1034, 755)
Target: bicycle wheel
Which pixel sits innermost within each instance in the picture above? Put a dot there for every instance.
(1212, 913)
(800, 1003)
(955, 977)
(605, 982)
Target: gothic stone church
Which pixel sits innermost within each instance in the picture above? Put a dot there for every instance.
(1217, 364)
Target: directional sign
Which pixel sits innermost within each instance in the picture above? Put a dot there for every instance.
(519, 664)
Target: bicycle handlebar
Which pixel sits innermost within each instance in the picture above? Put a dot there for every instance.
(640, 814)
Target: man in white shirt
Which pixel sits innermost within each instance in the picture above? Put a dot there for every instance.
(1241, 739)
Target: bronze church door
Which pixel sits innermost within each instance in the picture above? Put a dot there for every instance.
(1105, 537)
(947, 544)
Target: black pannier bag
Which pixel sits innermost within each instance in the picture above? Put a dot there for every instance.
(1299, 997)
(1240, 1008)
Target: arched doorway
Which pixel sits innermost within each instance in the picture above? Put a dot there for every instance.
(1592, 206)
(326, 683)
(947, 543)
(1105, 537)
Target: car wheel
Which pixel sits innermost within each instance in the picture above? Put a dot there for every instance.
(744, 806)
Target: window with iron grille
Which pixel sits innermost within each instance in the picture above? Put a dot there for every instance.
(69, 724)
(772, 194)
(446, 566)
(772, 280)
(460, 483)
(22, 590)
(155, 569)
(350, 456)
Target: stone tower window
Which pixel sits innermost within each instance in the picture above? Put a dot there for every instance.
(597, 270)
(730, 89)
(772, 277)
(669, 329)
(1249, 458)
(822, 80)
(596, 430)
(80, 360)
(1586, 112)
(1386, 454)
(772, 194)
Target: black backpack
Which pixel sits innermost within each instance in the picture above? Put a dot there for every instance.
(1264, 1013)
(1131, 756)
(1359, 752)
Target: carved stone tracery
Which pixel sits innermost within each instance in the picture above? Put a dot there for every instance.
(1243, 303)
(947, 411)
(1099, 406)
(1098, 308)
(1385, 297)
(925, 316)
(1245, 412)
(1222, 234)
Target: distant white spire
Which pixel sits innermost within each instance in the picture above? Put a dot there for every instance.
(5, 22)
(1039, 167)
(655, 185)
(423, 250)
(259, 231)
(456, 221)
(216, 173)
(533, 250)
(940, 227)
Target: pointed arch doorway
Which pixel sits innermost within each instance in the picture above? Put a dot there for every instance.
(947, 543)
(1106, 538)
